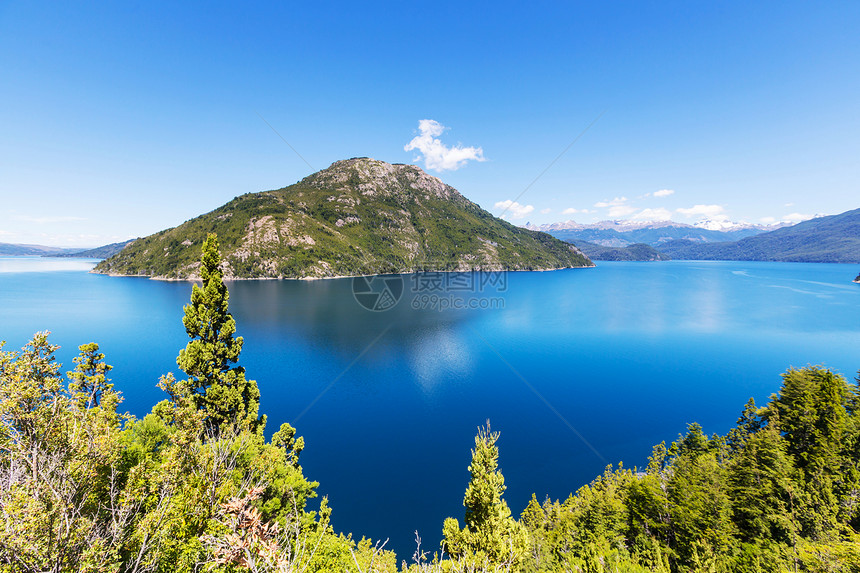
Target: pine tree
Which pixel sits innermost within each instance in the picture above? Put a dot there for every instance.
(748, 424)
(220, 390)
(491, 534)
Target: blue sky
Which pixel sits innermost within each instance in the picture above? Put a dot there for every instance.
(121, 119)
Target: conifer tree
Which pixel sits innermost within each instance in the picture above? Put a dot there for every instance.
(491, 534)
(814, 420)
(762, 488)
(219, 389)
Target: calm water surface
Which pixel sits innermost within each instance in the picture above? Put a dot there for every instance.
(578, 369)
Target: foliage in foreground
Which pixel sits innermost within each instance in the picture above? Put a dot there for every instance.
(194, 485)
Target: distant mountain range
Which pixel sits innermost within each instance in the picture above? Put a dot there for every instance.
(826, 239)
(10, 249)
(622, 233)
(102, 252)
(359, 216)
(833, 239)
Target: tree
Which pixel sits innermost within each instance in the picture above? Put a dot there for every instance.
(89, 379)
(812, 413)
(699, 509)
(762, 489)
(748, 424)
(219, 389)
(491, 535)
(60, 458)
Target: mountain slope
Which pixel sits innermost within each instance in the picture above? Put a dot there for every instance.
(833, 239)
(635, 252)
(359, 216)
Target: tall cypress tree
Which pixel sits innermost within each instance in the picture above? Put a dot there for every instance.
(218, 388)
(491, 535)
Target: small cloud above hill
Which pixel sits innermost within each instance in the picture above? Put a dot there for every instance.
(513, 209)
(435, 154)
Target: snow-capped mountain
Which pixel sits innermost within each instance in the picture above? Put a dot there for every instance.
(623, 232)
(723, 225)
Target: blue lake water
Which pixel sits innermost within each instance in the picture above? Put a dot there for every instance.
(576, 368)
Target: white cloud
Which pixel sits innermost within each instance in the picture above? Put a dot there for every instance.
(789, 205)
(436, 155)
(663, 193)
(617, 207)
(617, 202)
(768, 220)
(572, 211)
(514, 209)
(658, 214)
(546, 211)
(715, 212)
(621, 211)
(796, 217)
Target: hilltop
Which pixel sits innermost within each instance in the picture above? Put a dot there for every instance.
(359, 216)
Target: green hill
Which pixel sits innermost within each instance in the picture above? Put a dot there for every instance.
(359, 216)
(833, 239)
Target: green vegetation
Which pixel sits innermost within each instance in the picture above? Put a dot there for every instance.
(194, 485)
(216, 388)
(635, 252)
(833, 239)
(359, 216)
(491, 536)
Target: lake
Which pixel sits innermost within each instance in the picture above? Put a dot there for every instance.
(576, 368)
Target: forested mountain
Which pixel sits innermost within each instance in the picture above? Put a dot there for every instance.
(833, 239)
(196, 486)
(359, 216)
(635, 252)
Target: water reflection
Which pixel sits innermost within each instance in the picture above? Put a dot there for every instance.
(326, 312)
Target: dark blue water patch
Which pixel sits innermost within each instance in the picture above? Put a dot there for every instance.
(577, 369)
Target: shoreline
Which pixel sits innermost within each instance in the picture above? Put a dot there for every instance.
(197, 279)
